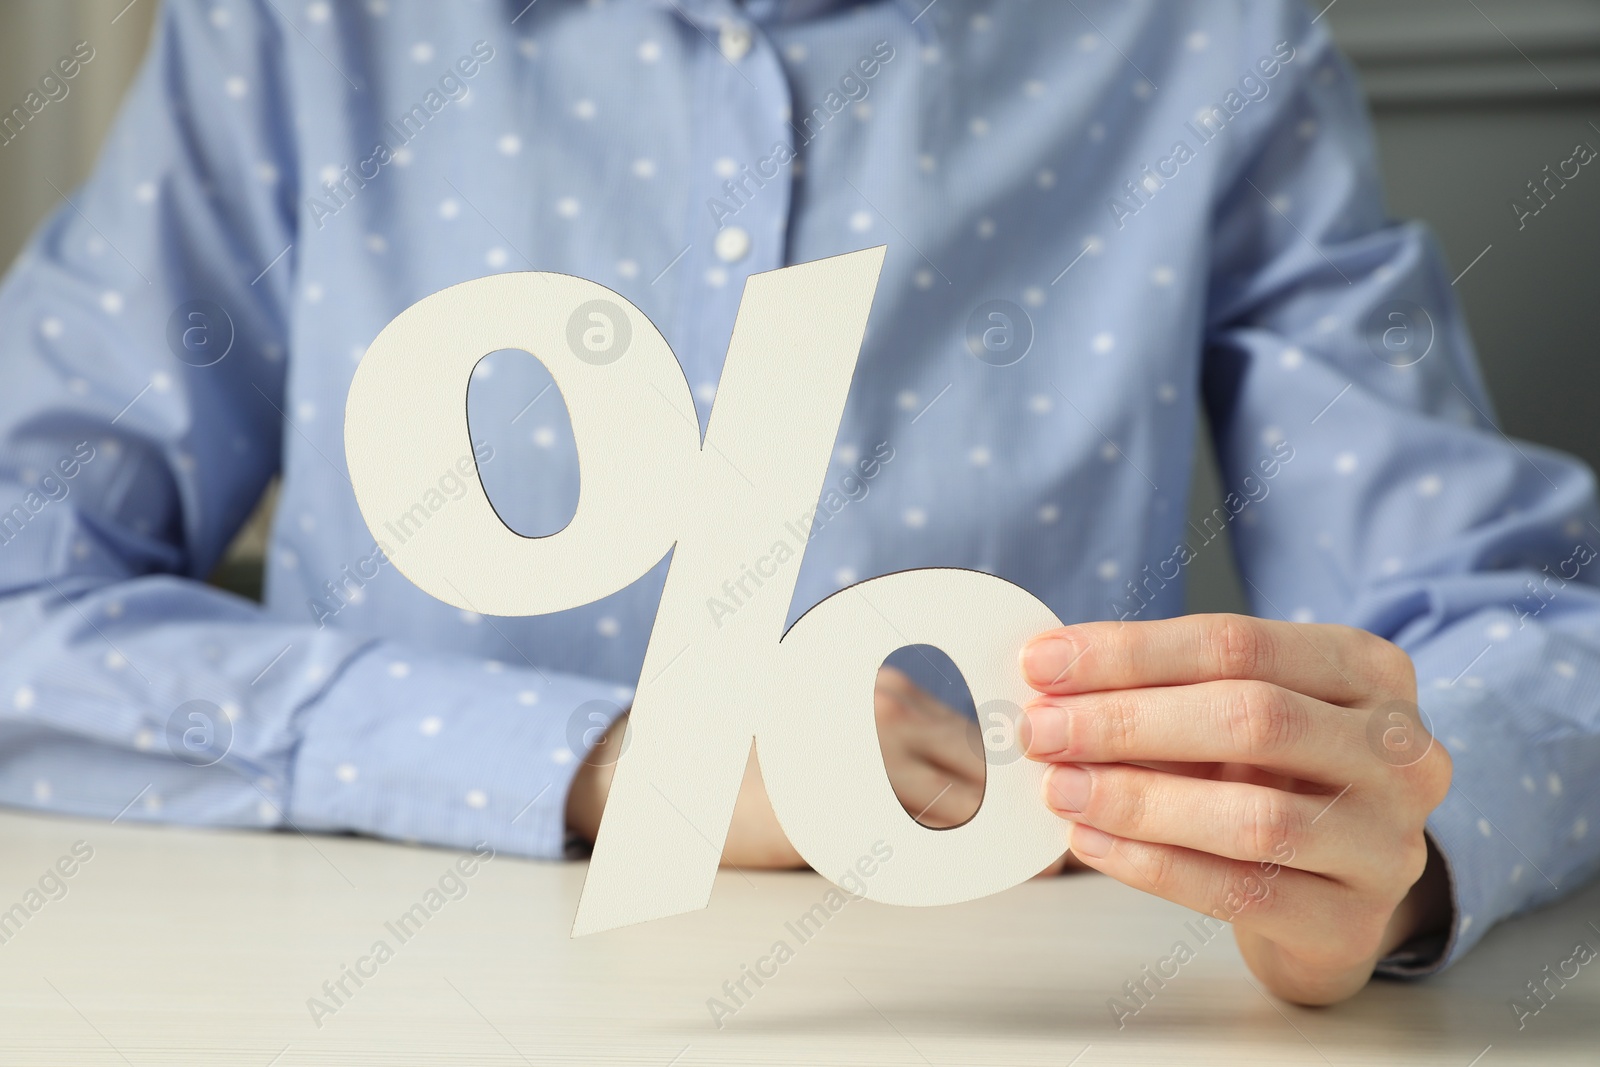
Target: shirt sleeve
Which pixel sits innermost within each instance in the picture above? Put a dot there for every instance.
(1335, 340)
(143, 344)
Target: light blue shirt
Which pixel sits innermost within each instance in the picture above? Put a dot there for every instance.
(1171, 210)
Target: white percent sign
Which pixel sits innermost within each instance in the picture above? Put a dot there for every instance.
(708, 689)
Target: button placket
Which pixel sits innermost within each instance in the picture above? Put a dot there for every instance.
(739, 211)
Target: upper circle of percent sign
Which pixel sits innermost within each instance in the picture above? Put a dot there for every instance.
(707, 692)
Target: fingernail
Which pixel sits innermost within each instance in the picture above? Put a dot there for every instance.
(1068, 788)
(1045, 661)
(1087, 841)
(1043, 729)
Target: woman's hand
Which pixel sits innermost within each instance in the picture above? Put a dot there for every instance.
(933, 754)
(1273, 775)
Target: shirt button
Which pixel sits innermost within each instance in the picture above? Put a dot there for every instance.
(734, 41)
(732, 244)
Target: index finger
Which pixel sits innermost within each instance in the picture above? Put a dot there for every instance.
(1332, 663)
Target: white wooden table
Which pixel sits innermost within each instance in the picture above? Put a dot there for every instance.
(184, 947)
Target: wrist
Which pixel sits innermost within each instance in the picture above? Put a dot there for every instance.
(1426, 909)
(586, 797)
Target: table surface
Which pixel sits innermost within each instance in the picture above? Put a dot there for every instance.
(175, 946)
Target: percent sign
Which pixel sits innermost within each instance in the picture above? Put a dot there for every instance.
(708, 689)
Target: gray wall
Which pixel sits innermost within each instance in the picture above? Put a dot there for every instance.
(1471, 101)
(59, 144)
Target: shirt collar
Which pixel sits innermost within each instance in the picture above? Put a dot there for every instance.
(703, 12)
(795, 10)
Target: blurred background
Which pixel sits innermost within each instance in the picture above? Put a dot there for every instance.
(1472, 99)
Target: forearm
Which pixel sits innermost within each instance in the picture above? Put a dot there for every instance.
(319, 729)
